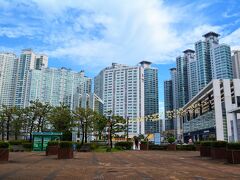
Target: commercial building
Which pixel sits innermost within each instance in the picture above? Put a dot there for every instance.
(236, 64)
(57, 86)
(213, 113)
(121, 88)
(8, 75)
(151, 104)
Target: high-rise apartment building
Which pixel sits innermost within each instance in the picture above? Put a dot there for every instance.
(168, 103)
(182, 80)
(151, 106)
(236, 64)
(41, 61)
(8, 74)
(57, 86)
(192, 73)
(202, 49)
(121, 88)
(221, 62)
(28, 61)
(173, 72)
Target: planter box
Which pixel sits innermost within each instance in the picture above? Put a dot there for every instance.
(4, 154)
(218, 153)
(144, 147)
(171, 147)
(233, 156)
(65, 153)
(197, 147)
(51, 150)
(205, 151)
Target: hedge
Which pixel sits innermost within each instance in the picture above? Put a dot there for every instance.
(4, 144)
(219, 144)
(27, 145)
(53, 143)
(206, 143)
(16, 142)
(66, 144)
(124, 145)
(189, 147)
(233, 146)
(157, 147)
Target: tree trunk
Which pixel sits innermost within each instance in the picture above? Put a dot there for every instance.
(85, 133)
(39, 123)
(82, 134)
(8, 127)
(111, 135)
(42, 124)
(3, 132)
(31, 129)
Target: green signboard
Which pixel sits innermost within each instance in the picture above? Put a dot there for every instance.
(41, 139)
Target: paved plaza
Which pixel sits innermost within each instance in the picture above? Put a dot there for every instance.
(117, 165)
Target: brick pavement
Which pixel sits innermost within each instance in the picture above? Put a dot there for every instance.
(118, 165)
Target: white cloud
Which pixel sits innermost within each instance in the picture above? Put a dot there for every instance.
(233, 39)
(97, 32)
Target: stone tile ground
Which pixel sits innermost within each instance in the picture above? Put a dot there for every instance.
(118, 165)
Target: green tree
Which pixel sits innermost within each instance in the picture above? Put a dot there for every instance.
(99, 124)
(17, 123)
(84, 119)
(117, 124)
(8, 113)
(61, 119)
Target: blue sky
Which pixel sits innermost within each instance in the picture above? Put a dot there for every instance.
(92, 34)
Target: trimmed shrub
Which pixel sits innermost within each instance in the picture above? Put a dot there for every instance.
(16, 142)
(144, 142)
(157, 147)
(206, 143)
(189, 147)
(233, 146)
(171, 140)
(27, 145)
(78, 146)
(94, 146)
(4, 144)
(66, 144)
(197, 142)
(53, 143)
(108, 149)
(124, 145)
(219, 144)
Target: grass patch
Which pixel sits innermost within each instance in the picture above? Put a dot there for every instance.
(104, 149)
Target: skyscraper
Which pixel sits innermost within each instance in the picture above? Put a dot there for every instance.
(174, 79)
(151, 105)
(57, 86)
(182, 80)
(191, 73)
(121, 88)
(221, 62)
(236, 64)
(202, 49)
(168, 103)
(26, 63)
(41, 61)
(8, 74)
